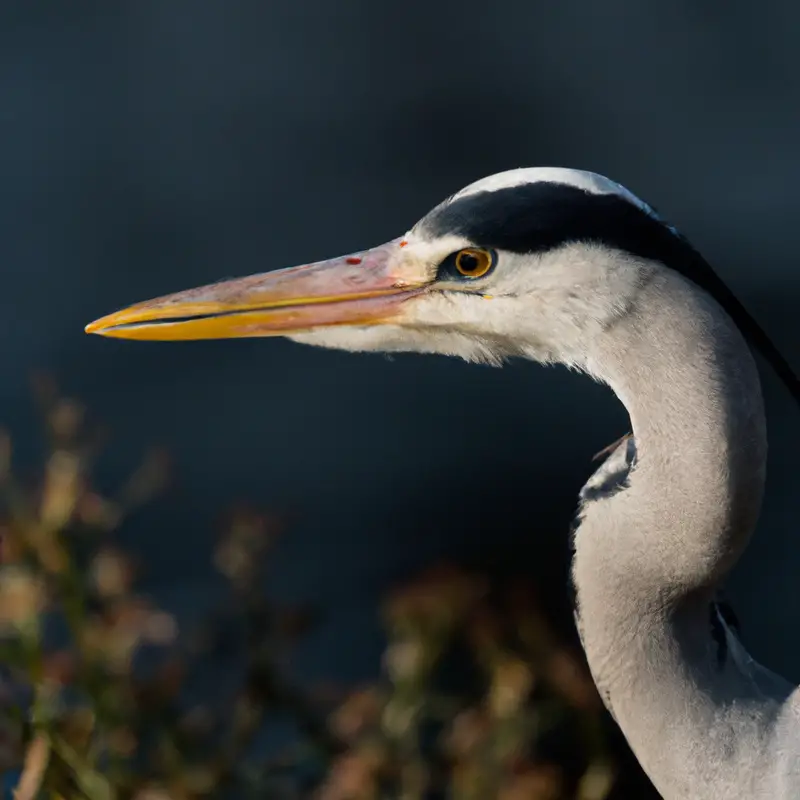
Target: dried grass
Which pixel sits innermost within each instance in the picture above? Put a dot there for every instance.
(81, 721)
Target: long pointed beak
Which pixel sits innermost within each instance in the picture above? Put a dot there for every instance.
(366, 288)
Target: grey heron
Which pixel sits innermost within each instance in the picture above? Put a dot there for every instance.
(566, 266)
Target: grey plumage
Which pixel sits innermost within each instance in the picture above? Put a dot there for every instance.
(649, 559)
(612, 477)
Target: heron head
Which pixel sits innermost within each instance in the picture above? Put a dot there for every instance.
(528, 262)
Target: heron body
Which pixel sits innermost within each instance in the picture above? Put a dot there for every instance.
(565, 266)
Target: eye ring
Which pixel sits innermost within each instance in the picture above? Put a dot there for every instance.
(473, 262)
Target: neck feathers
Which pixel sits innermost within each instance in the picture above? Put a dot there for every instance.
(650, 554)
(691, 387)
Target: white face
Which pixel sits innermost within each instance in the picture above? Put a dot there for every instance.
(544, 306)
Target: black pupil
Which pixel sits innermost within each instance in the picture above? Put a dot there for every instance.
(469, 262)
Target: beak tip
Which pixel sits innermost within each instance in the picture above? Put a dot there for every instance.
(94, 327)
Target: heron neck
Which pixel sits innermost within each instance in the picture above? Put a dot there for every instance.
(690, 385)
(648, 558)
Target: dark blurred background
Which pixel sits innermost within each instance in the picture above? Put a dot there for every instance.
(147, 147)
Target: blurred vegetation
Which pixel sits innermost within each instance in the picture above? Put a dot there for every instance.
(476, 699)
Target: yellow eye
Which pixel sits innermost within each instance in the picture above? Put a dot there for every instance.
(474, 262)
